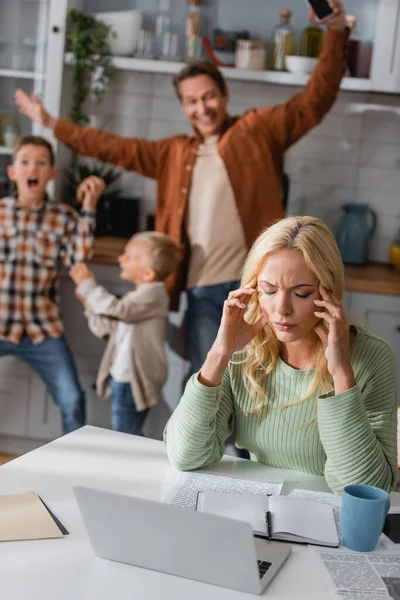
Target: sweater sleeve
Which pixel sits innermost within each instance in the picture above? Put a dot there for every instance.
(195, 434)
(133, 154)
(133, 307)
(101, 327)
(288, 122)
(358, 428)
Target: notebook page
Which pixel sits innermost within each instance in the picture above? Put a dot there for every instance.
(323, 498)
(308, 520)
(184, 491)
(248, 508)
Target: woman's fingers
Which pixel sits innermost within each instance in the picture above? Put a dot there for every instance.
(235, 302)
(325, 315)
(328, 296)
(333, 309)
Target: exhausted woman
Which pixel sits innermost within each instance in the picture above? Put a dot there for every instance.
(306, 390)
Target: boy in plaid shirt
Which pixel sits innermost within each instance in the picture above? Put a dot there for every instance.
(36, 236)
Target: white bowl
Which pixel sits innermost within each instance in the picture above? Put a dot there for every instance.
(300, 64)
(126, 25)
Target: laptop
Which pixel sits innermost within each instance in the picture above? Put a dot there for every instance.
(180, 542)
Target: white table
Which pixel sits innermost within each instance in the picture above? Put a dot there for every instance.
(67, 569)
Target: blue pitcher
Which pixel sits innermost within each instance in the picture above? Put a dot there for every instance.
(354, 233)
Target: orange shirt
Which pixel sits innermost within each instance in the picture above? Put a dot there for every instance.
(252, 147)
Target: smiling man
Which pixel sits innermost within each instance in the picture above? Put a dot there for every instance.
(219, 187)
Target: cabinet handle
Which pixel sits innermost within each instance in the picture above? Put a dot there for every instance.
(56, 29)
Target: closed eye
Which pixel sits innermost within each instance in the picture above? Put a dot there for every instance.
(271, 293)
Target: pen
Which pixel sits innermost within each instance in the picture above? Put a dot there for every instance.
(268, 519)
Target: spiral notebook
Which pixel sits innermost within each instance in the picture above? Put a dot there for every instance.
(275, 517)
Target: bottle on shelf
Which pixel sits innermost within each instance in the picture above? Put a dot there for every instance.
(193, 30)
(311, 41)
(163, 24)
(354, 47)
(283, 41)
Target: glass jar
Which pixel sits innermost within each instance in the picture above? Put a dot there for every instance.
(354, 47)
(193, 19)
(283, 41)
(251, 54)
(10, 135)
(194, 42)
(163, 24)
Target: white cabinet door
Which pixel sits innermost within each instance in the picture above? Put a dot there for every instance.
(380, 314)
(385, 69)
(15, 379)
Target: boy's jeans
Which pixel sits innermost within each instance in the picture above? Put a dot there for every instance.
(124, 416)
(53, 361)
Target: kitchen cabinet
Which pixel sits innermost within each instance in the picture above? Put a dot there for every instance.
(380, 314)
(32, 39)
(385, 71)
(15, 379)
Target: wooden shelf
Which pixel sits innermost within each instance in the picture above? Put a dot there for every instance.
(143, 65)
(375, 279)
(107, 250)
(21, 74)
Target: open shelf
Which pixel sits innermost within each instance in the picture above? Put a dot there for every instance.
(6, 150)
(282, 78)
(21, 74)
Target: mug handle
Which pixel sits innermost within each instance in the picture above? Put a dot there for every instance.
(372, 231)
(386, 511)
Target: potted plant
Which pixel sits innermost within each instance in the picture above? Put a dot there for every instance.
(88, 41)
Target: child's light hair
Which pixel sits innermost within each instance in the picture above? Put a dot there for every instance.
(164, 253)
(314, 239)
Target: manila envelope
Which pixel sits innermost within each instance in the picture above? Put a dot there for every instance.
(24, 517)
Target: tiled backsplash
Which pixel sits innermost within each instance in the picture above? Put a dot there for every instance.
(353, 156)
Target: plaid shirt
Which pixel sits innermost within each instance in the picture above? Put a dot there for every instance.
(33, 243)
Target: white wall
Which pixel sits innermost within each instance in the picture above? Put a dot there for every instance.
(353, 156)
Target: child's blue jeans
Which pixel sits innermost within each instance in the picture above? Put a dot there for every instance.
(53, 361)
(124, 416)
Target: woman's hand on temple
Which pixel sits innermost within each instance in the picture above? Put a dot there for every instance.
(32, 107)
(336, 341)
(234, 332)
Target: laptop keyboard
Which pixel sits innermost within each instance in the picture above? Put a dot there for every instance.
(263, 567)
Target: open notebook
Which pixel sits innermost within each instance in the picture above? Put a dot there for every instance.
(275, 517)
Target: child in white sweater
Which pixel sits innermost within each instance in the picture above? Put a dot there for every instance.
(134, 366)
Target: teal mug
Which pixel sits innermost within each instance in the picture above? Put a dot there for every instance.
(364, 509)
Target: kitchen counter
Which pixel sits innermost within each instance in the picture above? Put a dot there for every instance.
(376, 279)
(107, 250)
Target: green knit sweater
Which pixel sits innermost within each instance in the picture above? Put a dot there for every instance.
(352, 440)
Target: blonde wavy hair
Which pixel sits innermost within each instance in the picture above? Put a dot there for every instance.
(314, 239)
